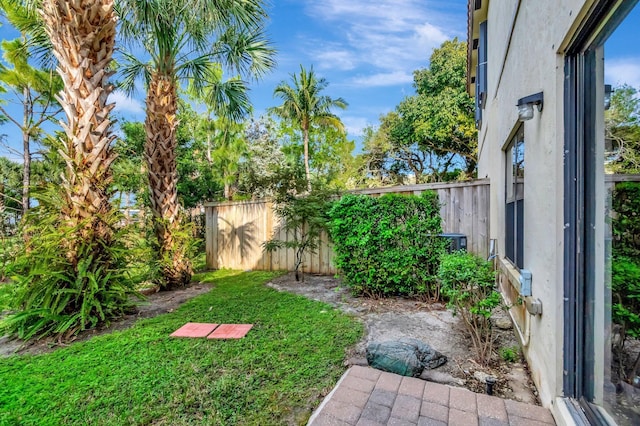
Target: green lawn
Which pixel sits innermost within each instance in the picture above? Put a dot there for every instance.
(275, 375)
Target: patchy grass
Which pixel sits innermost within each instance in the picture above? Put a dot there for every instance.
(275, 375)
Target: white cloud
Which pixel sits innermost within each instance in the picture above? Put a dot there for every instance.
(394, 37)
(125, 104)
(384, 79)
(355, 125)
(336, 59)
(623, 71)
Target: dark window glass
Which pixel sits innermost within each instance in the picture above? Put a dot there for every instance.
(514, 212)
(481, 74)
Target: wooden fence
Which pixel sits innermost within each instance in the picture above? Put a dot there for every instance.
(235, 231)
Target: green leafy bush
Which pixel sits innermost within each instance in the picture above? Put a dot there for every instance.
(626, 221)
(468, 282)
(625, 289)
(388, 245)
(625, 270)
(625, 267)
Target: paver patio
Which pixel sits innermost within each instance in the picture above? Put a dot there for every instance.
(368, 397)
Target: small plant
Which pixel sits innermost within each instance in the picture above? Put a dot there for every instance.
(510, 353)
(467, 281)
(303, 218)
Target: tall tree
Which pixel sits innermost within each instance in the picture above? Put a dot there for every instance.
(182, 38)
(34, 89)
(622, 131)
(434, 129)
(70, 277)
(304, 105)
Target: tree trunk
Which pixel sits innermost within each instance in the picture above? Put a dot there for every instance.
(26, 149)
(160, 155)
(82, 33)
(305, 131)
(2, 211)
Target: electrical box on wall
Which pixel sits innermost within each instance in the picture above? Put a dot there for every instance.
(525, 282)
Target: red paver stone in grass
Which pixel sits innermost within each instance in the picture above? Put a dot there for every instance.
(194, 329)
(230, 331)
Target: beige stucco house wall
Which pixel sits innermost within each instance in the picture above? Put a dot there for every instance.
(524, 44)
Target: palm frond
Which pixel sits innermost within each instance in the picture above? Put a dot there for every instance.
(131, 70)
(25, 17)
(245, 52)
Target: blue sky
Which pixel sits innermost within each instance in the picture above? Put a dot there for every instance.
(368, 52)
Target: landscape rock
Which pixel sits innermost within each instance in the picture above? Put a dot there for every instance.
(481, 376)
(441, 377)
(503, 323)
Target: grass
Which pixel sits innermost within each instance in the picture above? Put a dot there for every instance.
(275, 375)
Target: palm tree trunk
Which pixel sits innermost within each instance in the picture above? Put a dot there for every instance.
(305, 131)
(26, 150)
(2, 218)
(82, 33)
(160, 155)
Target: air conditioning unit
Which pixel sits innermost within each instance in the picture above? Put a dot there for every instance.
(457, 241)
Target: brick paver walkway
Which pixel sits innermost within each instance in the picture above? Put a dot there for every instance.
(368, 397)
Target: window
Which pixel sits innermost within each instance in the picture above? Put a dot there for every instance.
(481, 74)
(514, 221)
(592, 374)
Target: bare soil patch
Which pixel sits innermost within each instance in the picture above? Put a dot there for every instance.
(156, 303)
(432, 323)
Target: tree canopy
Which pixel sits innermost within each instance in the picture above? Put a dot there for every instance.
(431, 133)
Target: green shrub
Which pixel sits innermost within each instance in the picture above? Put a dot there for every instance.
(10, 246)
(468, 281)
(625, 265)
(66, 280)
(388, 245)
(626, 221)
(625, 290)
(510, 353)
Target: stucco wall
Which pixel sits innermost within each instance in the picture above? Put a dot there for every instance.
(525, 41)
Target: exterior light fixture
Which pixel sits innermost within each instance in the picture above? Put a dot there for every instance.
(607, 96)
(525, 106)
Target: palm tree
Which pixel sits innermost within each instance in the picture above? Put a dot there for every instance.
(68, 273)
(183, 38)
(82, 35)
(304, 106)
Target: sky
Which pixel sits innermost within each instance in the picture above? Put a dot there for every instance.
(367, 52)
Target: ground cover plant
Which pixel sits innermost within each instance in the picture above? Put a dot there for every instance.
(275, 375)
(388, 245)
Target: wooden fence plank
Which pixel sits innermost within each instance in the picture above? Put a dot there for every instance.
(237, 230)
